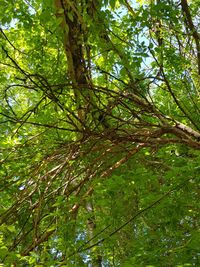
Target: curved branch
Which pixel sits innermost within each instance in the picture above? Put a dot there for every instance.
(195, 34)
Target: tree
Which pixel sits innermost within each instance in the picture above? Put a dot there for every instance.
(100, 133)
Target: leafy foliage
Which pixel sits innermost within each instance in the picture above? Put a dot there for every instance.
(100, 133)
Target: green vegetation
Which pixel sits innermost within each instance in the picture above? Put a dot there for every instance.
(99, 133)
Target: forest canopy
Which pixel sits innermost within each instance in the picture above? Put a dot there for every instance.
(99, 133)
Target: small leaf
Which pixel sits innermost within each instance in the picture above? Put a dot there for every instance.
(70, 16)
